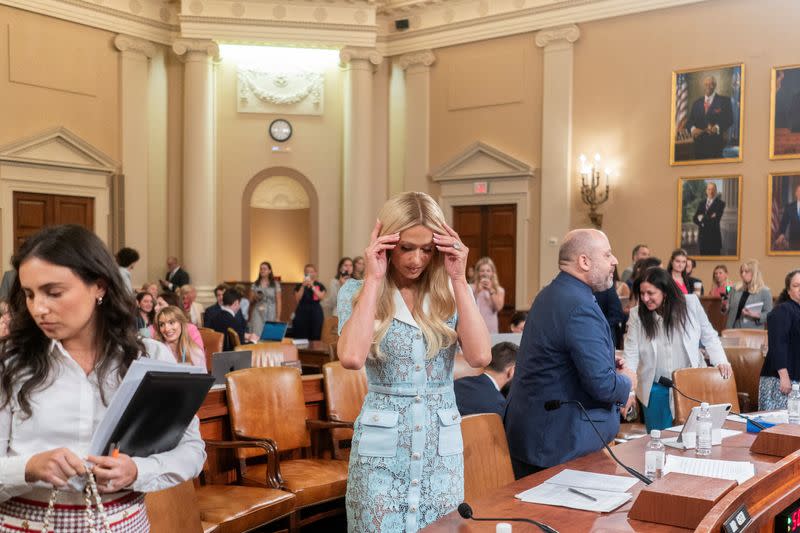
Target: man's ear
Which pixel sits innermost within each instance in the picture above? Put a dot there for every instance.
(584, 263)
(510, 371)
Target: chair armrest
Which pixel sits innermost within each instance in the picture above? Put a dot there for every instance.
(270, 447)
(318, 425)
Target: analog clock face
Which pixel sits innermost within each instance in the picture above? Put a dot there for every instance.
(280, 130)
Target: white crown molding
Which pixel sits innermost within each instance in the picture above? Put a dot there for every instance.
(348, 54)
(509, 22)
(569, 34)
(481, 161)
(424, 58)
(128, 44)
(202, 46)
(58, 147)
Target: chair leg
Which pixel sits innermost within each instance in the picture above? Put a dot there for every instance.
(294, 522)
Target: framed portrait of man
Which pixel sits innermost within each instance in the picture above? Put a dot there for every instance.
(783, 226)
(707, 115)
(709, 216)
(784, 123)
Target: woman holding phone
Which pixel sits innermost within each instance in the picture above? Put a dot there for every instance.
(308, 316)
(488, 292)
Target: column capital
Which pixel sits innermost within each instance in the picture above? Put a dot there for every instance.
(203, 46)
(128, 44)
(348, 54)
(423, 58)
(569, 33)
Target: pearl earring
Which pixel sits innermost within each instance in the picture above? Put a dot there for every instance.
(99, 300)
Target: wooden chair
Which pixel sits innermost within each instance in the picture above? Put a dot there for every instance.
(746, 363)
(461, 368)
(233, 337)
(267, 404)
(261, 351)
(175, 509)
(330, 330)
(344, 394)
(705, 384)
(212, 343)
(487, 463)
(749, 338)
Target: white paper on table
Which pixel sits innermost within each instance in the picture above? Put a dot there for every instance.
(739, 471)
(773, 417)
(559, 495)
(592, 480)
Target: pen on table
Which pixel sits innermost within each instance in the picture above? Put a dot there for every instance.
(576, 491)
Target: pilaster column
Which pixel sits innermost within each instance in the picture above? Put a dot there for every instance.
(135, 63)
(556, 145)
(417, 67)
(358, 209)
(199, 255)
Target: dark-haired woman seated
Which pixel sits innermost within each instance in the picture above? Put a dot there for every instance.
(72, 339)
(664, 334)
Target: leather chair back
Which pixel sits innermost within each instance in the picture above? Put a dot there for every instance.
(746, 363)
(234, 337)
(330, 330)
(268, 403)
(261, 351)
(173, 509)
(461, 368)
(212, 343)
(487, 463)
(749, 338)
(344, 394)
(705, 384)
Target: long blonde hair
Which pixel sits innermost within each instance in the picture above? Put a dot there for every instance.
(757, 283)
(400, 213)
(185, 343)
(486, 261)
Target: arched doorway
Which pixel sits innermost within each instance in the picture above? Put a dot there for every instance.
(279, 223)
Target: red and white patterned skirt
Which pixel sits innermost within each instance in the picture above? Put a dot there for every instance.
(126, 514)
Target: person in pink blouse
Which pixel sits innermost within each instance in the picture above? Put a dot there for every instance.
(489, 295)
(172, 330)
(677, 269)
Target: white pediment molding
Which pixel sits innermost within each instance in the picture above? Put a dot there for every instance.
(59, 148)
(481, 161)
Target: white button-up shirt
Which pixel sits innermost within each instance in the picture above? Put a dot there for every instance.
(66, 413)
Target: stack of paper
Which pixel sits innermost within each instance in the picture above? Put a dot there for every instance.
(739, 471)
(771, 417)
(581, 490)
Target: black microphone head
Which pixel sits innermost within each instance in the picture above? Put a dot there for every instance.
(665, 382)
(552, 405)
(465, 510)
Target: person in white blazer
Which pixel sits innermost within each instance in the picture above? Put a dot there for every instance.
(664, 334)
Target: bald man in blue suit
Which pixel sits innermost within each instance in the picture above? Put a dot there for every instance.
(567, 353)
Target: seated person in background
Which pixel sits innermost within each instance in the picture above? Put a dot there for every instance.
(212, 310)
(720, 285)
(172, 330)
(192, 308)
(164, 300)
(481, 393)
(518, 321)
(229, 317)
(691, 264)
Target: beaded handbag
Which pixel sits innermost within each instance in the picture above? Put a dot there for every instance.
(89, 493)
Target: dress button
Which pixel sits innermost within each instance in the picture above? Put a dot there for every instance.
(418, 336)
(415, 456)
(418, 399)
(375, 418)
(414, 482)
(413, 508)
(418, 428)
(455, 417)
(418, 368)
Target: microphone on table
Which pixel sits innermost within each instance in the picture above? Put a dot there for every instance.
(465, 511)
(552, 405)
(666, 382)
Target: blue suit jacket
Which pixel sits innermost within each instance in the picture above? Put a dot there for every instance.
(566, 354)
(477, 394)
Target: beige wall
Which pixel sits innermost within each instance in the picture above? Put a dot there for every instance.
(281, 237)
(491, 91)
(244, 150)
(55, 73)
(622, 94)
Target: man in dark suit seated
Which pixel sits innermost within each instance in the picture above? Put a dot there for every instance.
(481, 394)
(228, 316)
(212, 310)
(709, 119)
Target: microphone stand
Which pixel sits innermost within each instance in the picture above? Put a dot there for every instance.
(465, 510)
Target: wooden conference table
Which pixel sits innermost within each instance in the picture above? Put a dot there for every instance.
(775, 486)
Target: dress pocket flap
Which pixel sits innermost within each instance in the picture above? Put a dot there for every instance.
(381, 419)
(449, 417)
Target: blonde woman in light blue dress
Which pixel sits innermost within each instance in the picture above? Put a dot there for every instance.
(403, 321)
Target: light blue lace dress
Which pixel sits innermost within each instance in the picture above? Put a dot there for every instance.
(406, 461)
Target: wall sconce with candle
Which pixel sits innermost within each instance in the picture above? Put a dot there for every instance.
(591, 190)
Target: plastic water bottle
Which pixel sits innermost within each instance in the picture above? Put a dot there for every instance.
(703, 431)
(794, 404)
(654, 456)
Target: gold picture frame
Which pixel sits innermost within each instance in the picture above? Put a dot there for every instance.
(706, 232)
(782, 191)
(721, 142)
(784, 116)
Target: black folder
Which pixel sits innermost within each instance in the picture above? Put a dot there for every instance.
(159, 412)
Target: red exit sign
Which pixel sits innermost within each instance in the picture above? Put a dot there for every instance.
(480, 187)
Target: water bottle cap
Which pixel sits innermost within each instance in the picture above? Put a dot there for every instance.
(503, 527)
(795, 386)
(656, 433)
(704, 405)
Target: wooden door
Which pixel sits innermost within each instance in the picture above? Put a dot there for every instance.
(491, 230)
(33, 211)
